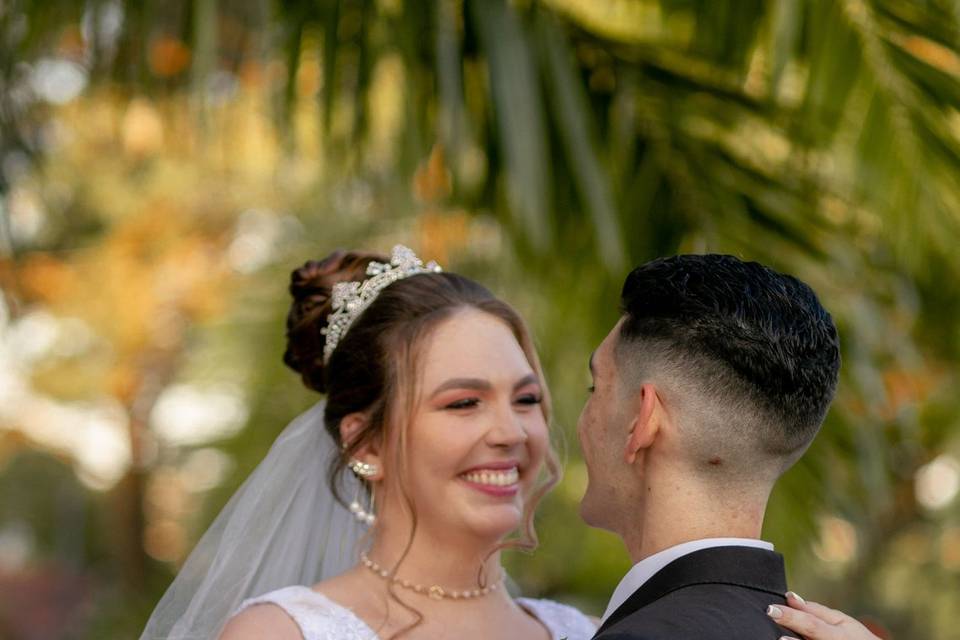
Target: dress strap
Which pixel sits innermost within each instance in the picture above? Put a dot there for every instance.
(563, 621)
(317, 616)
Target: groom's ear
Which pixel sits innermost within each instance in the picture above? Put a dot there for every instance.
(647, 416)
(351, 426)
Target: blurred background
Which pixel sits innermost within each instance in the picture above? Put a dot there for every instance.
(165, 165)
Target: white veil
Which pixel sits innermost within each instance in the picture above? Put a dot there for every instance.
(282, 527)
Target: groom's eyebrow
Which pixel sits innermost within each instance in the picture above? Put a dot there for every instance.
(592, 371)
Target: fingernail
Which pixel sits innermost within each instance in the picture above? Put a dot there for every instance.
(795, 596)
(774, 612)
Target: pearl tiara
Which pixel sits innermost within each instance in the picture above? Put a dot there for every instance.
(350, 299)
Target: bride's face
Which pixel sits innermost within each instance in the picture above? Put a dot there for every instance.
(478, 437)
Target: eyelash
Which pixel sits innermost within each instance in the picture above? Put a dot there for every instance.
(469, 403)
(466, 403)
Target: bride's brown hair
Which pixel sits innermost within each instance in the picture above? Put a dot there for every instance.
(374, 367)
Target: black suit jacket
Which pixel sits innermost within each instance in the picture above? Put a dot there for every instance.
(720, 593)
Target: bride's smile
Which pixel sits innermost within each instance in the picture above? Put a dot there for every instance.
(494, 478)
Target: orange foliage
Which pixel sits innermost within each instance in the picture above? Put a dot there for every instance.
(71, 44)
(432, 182)
(151, 276)
(933, 53)
(154, 261)
(46, 278)
(168, 56)
(443, 233)
(123, 382)
(154, 273)
(906, 388)
(252, 74)
(142, 128)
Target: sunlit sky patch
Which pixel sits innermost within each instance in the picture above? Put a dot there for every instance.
(58, 80)
(190, 415)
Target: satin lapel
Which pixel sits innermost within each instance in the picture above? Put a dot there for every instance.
(748, 567)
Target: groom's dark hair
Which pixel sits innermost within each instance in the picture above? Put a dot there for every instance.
(749, 352)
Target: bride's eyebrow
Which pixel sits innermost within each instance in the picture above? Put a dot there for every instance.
(479, 384)
(530, 378)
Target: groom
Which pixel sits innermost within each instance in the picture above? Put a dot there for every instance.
(712, 384)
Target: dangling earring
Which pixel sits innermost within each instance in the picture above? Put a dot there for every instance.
(363, 471)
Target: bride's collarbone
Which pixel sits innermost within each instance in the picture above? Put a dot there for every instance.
(464, 623)
(496, 617)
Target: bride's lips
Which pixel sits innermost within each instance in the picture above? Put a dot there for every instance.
(500, 479)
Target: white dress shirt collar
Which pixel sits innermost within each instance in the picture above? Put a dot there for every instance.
(646, 568)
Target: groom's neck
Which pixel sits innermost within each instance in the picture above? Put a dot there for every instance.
(675, 512)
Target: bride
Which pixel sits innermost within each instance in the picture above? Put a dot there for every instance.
(382, 512)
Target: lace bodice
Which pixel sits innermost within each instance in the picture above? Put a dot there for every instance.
(320, 618)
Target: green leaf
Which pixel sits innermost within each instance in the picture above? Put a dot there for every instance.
(518, 111)
(575, 121)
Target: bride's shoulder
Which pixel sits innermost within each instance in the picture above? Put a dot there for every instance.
(263, 616)
(294, 612)
(562, 619)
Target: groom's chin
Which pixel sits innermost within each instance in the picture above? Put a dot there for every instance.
(590, 513)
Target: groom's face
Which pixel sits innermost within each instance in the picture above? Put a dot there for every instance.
(603, 429)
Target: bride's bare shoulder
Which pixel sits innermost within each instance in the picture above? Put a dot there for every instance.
(263, 620)
(348, 589)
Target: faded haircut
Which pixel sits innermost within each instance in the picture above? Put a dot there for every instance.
(747, 356)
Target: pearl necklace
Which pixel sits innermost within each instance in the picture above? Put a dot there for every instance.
(435, 591)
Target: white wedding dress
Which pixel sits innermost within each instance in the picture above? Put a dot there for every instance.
(320, 618)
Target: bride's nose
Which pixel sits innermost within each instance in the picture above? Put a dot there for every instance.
(506, 428)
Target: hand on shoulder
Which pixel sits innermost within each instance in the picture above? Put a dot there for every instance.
(261, 621)
(816, 622)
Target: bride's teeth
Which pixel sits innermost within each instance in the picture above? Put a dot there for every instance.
(497, 478)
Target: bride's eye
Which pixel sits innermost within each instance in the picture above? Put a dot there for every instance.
(466, 403)
(530, 399)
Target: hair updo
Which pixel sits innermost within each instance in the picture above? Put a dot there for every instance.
(374, 367)
(311, 287)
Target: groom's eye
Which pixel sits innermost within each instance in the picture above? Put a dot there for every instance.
(591, 389)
